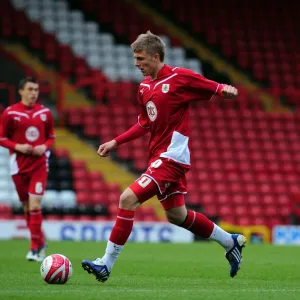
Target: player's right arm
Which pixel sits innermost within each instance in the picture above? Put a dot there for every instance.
(138, 130)
(6, 128)
(133, 133)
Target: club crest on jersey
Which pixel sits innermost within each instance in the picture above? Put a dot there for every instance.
(32, 134)
(43, 117)
(165, 87)
(151, 110)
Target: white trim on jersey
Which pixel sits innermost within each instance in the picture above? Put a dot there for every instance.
(164, 80)
(147, 85)
(140, 123)
(215, 92)
(177, 192)
(39, 112)
(13, 112)
(175, 68)
(14, 168)
(153, 180)
(178, 149)
(2, 139)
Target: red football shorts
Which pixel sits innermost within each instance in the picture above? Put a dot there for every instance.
(165, 179)
(32, 183)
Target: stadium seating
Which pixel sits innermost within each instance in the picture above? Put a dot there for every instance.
(253, 38)
(245, 161)
(79, 48)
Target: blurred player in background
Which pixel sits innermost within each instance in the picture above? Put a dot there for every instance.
(164, 97)
(27, 131)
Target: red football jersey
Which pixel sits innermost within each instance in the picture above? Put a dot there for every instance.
(21, 124)
(165, 110)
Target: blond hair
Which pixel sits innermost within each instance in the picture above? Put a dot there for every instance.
(151, 43)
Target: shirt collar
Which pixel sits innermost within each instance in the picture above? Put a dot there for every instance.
(26, 108)
(163, 71)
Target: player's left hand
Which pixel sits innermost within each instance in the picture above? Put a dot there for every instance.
(229, 91)
(39, 150)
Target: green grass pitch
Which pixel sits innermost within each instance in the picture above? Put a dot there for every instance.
(156, 271)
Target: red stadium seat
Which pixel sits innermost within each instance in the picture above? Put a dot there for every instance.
(61, 152)
(50, 47)
(99, 197)
(83, 197)
(226, 211)
(245, 221)
(21, 25)
(256, 211)
(53, 218)
(81, 185)
(98, 186)
(36, 35)
(78, 165)
(69, 218)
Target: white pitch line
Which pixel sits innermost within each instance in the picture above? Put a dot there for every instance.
(112, 290)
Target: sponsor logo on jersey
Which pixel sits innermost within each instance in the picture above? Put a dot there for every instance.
(32, 134)
(165, 87)
(151, 110)
(43, 117)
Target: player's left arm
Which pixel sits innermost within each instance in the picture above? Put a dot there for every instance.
(201, 88)
(40, 150)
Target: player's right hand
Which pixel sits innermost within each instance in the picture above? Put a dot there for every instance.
(24, 148)
(105, 148)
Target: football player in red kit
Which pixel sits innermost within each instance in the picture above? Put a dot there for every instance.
(164, 97)
(27, 131)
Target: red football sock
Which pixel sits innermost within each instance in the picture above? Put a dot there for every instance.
(123, 227)
(198, 224)
(35, 227)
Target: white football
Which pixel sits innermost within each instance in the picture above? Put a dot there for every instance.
(56, 268)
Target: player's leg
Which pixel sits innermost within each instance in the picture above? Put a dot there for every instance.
(122, 228)
(22, 184)
(196, 222)
(140, 191)
(200, 225)
(36, 190)
(35, 222)
(26, 211)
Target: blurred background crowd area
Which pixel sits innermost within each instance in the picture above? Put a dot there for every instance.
(245, 152)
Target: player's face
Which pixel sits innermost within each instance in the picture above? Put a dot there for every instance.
(29, 93)
(147, 63)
